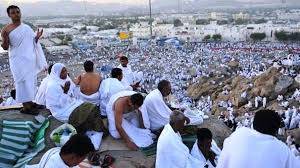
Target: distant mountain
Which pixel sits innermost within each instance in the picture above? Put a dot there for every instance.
(69, 7)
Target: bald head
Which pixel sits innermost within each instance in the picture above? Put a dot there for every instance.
(177, 120)
(164, 87)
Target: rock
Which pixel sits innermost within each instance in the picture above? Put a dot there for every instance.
(282, 85)
(296, 134)
(233, 64)
(218, 128)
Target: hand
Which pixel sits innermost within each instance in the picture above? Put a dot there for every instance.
(132, 145)
(135, 86)
(66, 88)
(38, 34)
(4, 34)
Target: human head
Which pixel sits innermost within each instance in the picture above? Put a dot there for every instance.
(124, 61)
(13, 94)
(136, 100)
(59, 71)
(76, 149)
(164, 87)
(177, 120)
(49, 68)
(204, 137)
(88, 66)
(267, 122)
(14, 13)
(117, 73)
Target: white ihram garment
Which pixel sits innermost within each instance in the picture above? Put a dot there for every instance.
(141, 137)
(51, 159)
(109, 87)
(196, 153)
(61, 105)
(93, 98)
(248, 148)
(40, 97)
(157, 110)
(26, 59)
(171, 151)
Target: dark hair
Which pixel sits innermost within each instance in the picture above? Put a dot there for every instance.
(13, 93)
(137, 99)
(11, 7)
(267, 122)
(203, 133)
(88, 66)
(79, 145)
(50, 68)
(124, 58)
(116, 72)
(163, 84)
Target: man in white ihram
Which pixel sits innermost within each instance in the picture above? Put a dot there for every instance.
(258, 147)
(26, 58)
(130, 78)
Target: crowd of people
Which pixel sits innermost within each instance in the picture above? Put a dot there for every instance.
(135, 99)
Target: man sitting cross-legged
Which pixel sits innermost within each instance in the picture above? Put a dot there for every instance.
(89, 83)
(205, 148)
(111, 86)
(83, 116)
(171, 151)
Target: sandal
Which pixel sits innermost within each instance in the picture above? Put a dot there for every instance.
(108, 161)
(30, 112)
(37, 106)
(94, 159)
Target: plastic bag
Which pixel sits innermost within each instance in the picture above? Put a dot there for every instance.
(62, 134)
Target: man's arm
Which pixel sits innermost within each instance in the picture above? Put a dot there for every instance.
(5, 39)
(78, 80)
(118, 121)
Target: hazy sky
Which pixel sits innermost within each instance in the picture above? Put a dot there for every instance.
(99, 1)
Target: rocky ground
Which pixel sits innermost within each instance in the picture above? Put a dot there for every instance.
(240, 90)
(124, 158)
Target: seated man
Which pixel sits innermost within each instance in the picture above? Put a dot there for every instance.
(11, 100)
(89, 83)
(205, 149)
(156, 108)
(157, 111)
(111, 86)
(71, 154)
(65, 108)
(257, 147)
(129, 77)
(171, 151)
(40, 98)
(125, 123)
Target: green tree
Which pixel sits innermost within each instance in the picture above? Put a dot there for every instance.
(177, 23)
(217, 37)
(282, 36)
(258, 36)
(206, 38)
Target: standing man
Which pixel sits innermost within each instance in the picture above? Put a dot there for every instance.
(128, 75)
(26, 58)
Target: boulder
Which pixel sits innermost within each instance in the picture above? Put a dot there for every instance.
(284, 82)
(218, 128)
